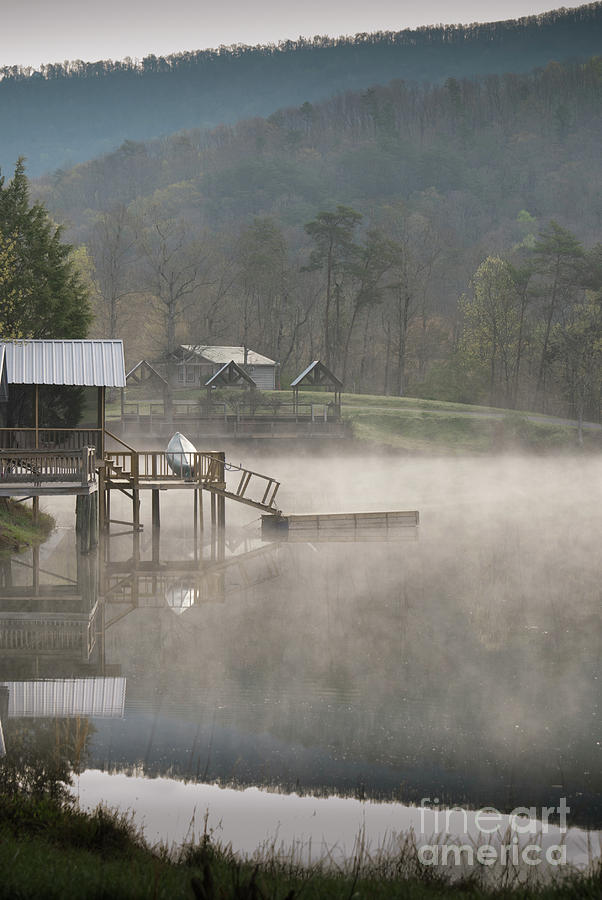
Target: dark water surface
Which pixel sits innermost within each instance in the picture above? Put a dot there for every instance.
(464, 665)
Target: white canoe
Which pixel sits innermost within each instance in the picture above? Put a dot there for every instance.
(180, 456)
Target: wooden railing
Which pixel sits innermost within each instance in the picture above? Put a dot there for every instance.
(50, 438)
(210, 470)
(42, 466)
(136, 410)
(151, 465)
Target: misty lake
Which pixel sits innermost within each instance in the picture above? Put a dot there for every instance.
(459, 664)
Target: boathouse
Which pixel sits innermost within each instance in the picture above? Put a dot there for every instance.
(55, 392)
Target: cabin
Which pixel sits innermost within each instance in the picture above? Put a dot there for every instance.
(192, 365)
(55, 392)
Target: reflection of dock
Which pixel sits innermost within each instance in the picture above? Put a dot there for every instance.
(49, 622)
(177, 584)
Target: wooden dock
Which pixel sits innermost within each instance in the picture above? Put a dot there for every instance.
(338, 527)
(56, 472)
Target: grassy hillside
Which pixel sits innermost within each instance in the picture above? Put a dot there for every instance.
(432, 426)
(66, 113)
(417, 425)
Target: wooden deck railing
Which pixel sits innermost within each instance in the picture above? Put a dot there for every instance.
(145, 410)
(151, 465)
(49, 438)
(47, 466)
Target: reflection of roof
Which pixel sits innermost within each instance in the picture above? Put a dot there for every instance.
(227, 354)
(230, 374)
(318, 374)
(94, 697)
(92, 363)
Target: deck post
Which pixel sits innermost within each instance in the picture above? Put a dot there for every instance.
(135, 492)
(94, 519)
(36, 569)
(108, 508)
(37, 412)
(156, 513)
(100, 421)
(102, 499)
(82, 521)
(136, 509)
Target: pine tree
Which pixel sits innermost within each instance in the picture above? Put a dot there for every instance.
(43, 295)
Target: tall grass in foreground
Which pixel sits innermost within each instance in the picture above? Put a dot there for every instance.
(50, 848)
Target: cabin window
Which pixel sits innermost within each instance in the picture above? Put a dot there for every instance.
(190, 374)
(181, 373)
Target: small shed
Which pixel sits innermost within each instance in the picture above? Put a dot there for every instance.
(34, 371)
(317, 376)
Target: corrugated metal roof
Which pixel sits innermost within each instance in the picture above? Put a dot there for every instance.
(223, 355)
(95, 697)
(78, 362)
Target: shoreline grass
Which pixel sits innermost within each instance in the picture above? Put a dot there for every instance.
(18, 531)
(50, 848)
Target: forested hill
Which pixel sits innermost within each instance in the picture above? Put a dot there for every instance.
(469, 153)
(66, 113)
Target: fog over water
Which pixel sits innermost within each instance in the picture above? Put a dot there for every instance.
(463, 665)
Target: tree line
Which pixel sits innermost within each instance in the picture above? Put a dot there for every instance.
(67, 112)
(526, 334)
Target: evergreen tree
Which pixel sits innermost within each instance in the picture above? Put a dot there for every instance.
(43, 295)
(334, 253)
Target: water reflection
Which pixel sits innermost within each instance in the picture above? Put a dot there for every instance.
(463, 666)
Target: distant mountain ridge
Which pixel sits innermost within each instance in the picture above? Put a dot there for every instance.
(67, 113)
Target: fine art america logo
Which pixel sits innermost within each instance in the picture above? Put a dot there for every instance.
(505, 839)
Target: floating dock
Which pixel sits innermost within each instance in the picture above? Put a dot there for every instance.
(341, 526)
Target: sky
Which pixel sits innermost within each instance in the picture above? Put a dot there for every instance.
(33, 32)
